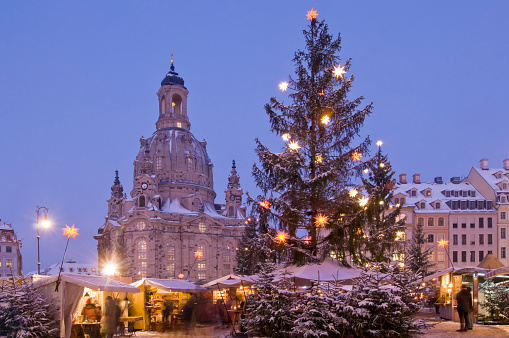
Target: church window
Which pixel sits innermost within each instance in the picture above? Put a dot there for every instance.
(227, 254)
(231, 211)
(170, 256)
(8, 263)
(171, 270)
(142, 259)
(159, 163)
(202, 271)
(141, 225)
(141, 202)
(226, 269)
(176, 104)
(202, 227)
(163, 106)
(197, 206)
(179, 124)
(190, 164)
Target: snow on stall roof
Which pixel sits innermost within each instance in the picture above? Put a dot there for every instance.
(170, 285)
(99, 283)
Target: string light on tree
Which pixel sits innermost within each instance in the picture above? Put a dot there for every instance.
(366, 170)
(265, 204)
(321, 93)
(283, 86)
(285, 137)
(339, 71)
(363, 201)
(311, 15)
(382, 165)
(319, 158)
(325, 119)
(293, 145)
(321, 220)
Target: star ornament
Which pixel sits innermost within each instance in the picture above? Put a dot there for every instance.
(293, 145)
(286, 137)
(321, 220)
(356, 156)
(265, 204)
(70, 232)
(283, 86)
(352, 193)
(339, 71)
(311, 15)
(325, 119)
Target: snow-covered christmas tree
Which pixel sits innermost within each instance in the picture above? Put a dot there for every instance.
(304, 186)
(25, 313)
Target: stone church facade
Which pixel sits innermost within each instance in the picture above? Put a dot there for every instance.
(169, 226)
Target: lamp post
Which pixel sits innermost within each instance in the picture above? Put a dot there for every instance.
(45, 223)
(197, 255)
(443, 243)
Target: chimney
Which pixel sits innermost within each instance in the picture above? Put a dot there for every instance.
(455, 180)
(506, 163)
(402, 178)
(484, 164)
(438, 180)
(417, 178)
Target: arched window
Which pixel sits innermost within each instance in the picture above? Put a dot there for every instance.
(162, 109)
(197, 206)
(142, 259)
(202, 227)
(190, 164)
(159, 163)
(200, 261)
(170, 257)
(176, 104)
(227, 254)
(141, 201)
(231, 211)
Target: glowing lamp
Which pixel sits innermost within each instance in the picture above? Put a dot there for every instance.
(382, 165)
(285, 137)
(363, 201)
(45, 222)
(319, 158)
(442, 243)
(381, 202)
(325, 119)
(379, 143)
(173, 104)
(283, 86)
(110, 269)
(246, 248)
(181, 275)
(281, 236)
(366, 170)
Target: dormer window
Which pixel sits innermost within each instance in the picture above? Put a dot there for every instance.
(422, 205)
(427, 192)
(504, 186)
(437, 205)
(503, 199)
(402, 201)
(412, 192)
(447, 193)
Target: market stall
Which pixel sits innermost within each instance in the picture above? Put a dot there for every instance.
(71, 291)
(156, 295)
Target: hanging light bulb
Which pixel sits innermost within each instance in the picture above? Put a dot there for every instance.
(381, 202)
(283, 86)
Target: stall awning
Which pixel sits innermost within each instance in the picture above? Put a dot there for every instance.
(459, 271)
(98, 283)
(170, 285)
(500, 271)
(231, 280)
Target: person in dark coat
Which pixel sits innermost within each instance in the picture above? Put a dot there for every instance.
(469, 325)
(110, 317)
(464, 305)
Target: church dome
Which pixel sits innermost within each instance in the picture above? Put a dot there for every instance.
(179, 162)
(172, 78)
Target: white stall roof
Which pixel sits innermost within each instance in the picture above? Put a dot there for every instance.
(231, 280)
(170, 285)
(500, 271)
(98, 283)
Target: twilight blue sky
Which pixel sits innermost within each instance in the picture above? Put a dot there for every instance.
(78, 83)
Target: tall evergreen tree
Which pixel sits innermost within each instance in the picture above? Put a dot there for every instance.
(417, 255)
(383, 228)
(304, 185)
(246, 256)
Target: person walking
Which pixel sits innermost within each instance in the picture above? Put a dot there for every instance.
(463, 306)
(110, 315)
(469, 325)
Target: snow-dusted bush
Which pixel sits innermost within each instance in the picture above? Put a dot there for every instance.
(25, 313)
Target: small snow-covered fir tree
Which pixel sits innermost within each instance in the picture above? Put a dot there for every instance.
(25, 313)
(383, 229)
(271, 309)
(318, 318)
(417, 255)
(381, 304)
(496, 300)
(304, 185)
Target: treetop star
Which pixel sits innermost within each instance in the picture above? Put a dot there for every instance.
(70, 232)
(311, 14)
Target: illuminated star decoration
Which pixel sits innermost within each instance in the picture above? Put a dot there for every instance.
(70, 232)
(283, 86)
(311, 14)
(366, 170)
(319, 158)
(293, 145)
(363, 201)
(379, 143)
(339, 71)
(353, 193)
(198, 254)
(307, 240)
(321, 220)
(325, 119)
(281, 236)
(356, 156)
(285, 137)
(442, 243)
(265, 204)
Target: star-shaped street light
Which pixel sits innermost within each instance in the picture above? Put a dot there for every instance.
(70, 231)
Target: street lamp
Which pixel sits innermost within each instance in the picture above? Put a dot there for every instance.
(443, 243)
(198, 254)
(44, 223)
